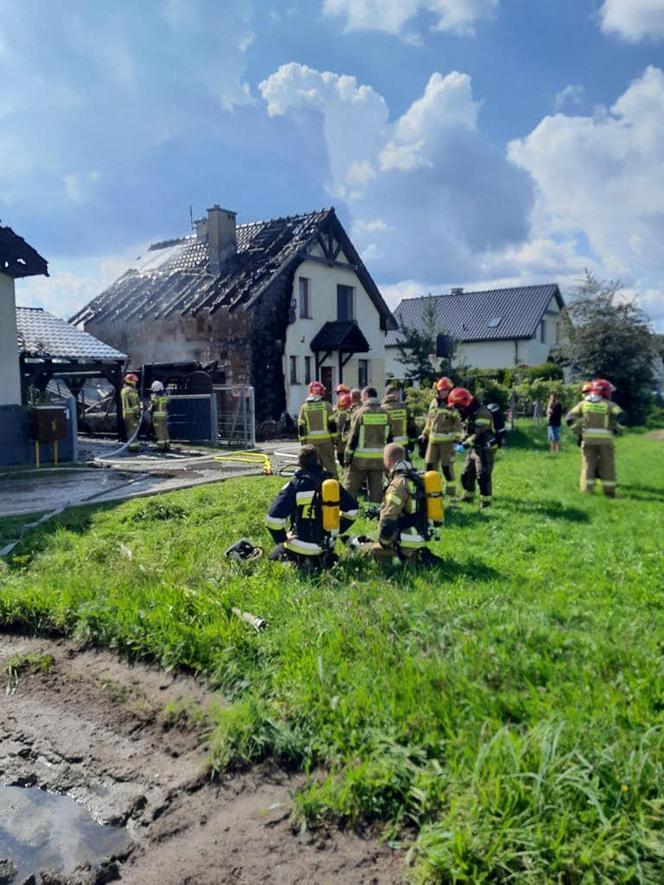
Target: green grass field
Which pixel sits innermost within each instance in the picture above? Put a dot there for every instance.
(505, 711)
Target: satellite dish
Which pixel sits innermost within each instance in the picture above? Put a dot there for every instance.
(445, 346)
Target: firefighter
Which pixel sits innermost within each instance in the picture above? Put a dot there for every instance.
(131, 408)
(355, 399)
(363, 458)
(442, 430)
(295, 518)
(403, 528)
(159, 411)
(317, 427)
(343, 419)
(341, 390)
(480, 440)
(597, 420)
(402, 422)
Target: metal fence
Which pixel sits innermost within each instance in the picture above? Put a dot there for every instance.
(236, 415)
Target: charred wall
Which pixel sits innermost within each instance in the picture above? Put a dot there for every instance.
(221, 336)
(270, 319)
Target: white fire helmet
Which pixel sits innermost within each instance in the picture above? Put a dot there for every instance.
(157, 387)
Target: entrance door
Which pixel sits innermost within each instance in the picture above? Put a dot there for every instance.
(326, 377)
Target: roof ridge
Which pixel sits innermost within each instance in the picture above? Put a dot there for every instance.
(22, 307)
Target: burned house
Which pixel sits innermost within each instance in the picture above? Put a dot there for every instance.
(276, 303)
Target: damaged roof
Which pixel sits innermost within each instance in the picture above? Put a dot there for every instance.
(174, 277)
(42, 335)
(491, 315)
(18, 258)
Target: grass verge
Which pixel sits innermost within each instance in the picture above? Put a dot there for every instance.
(506, 709)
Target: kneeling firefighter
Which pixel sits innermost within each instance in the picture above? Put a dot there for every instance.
(308, 514)
(411, 511)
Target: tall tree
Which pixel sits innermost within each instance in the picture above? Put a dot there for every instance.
(417, 345)
(607, 335)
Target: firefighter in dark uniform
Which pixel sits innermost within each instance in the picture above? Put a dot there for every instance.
(316, 426)
(597, 421)
(479, 439)
(295, 516)
(402, 421)
(442, 430)
(363, 458)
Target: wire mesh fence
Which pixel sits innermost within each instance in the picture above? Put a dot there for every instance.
(236, 415)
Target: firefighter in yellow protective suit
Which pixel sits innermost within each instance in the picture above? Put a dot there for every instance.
(131, 408)
(405, 526)
(443, 428)
(402, 422)
(363, 458)
(316, 426)
(343, 418)
(159, 412)
(597, 420)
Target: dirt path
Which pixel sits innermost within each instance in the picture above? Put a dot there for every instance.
(94, 728)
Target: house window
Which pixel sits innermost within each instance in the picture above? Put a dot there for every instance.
(543, 331)
(307, 370)
(362, 373)
(345, 310)
(293, 370)
(305, 298)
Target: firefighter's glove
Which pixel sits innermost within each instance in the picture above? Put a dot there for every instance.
(422, 446)
(341, 459)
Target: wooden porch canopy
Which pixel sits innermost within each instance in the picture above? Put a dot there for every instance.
(345, 337)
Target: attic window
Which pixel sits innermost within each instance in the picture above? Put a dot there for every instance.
(494, 322)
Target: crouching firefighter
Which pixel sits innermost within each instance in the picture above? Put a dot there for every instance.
(308, 515)
(411, 511)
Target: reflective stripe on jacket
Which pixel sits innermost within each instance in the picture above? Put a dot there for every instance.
(314, 420)
(597, 420)
(443, 423)
(130, 399)
(159, 405)
(370, 432)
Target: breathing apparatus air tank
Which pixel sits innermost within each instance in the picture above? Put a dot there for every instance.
(330, 495)
(433, 491)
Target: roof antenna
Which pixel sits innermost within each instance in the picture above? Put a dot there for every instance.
(191, 217)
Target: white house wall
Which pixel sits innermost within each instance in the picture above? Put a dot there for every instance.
(323, 289)
(10, 377)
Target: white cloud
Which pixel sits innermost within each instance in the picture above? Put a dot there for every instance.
(601, 177)
(354, 118)
(426, 189)
(394, 16)
(73, 282)
(572, 94)
(633, 19)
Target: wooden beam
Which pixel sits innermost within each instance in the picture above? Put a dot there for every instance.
(331, 262)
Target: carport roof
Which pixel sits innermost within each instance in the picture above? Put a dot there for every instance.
(42, 335)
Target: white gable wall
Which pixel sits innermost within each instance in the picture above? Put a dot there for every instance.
(10, 377)
(323, 288)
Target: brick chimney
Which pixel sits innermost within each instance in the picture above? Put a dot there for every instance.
(221, 236)
(456, 290)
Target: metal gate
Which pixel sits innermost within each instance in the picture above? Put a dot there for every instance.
(236, 415)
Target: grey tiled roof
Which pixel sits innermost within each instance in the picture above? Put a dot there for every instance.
(40, 334)
(492, 315)
(173, 277)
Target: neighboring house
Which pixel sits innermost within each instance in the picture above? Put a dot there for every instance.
(276, 303)
(495, 329)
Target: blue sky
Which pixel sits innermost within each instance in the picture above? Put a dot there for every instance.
(466, 142)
